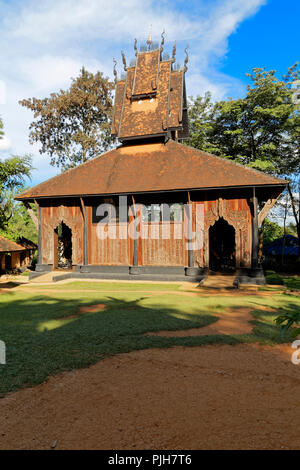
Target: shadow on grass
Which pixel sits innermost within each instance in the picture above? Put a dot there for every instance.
(41, 340)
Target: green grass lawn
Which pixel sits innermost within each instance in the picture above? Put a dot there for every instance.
(292, 282)
(41, 340)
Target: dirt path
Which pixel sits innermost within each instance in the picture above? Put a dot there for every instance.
(231, 322)
(212, 397)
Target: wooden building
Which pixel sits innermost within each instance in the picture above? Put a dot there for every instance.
(13, 255)
(213, 201)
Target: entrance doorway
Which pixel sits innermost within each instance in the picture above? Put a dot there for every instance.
(63, 247)
(222, 247)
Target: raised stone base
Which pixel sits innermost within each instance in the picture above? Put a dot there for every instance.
(134, 273)
(43, 268)
(127, 273)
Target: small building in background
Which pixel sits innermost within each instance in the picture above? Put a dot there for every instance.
(15, 255)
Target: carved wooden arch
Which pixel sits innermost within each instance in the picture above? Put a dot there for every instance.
(62, 214)
(236, 218)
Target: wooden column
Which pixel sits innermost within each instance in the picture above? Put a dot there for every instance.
(85, 234)
(255, 236)
(135, 241)
(190, 230)
(39, 212)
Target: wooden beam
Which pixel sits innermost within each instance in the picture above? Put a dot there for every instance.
(254, 231)
(267, 207)
(190, 230)
(135, 241)
(39, 212)
(85, 233)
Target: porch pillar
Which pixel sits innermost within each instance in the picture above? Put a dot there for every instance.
(39, 211)
(255, 236)
(85, 234)
(190, 231)
(135, 240)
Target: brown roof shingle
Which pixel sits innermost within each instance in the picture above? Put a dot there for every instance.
(146, 116)
(150, 101)
(146, 72)
(176, 98)
(150, 167)
(7, 245)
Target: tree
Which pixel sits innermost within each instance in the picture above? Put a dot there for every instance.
(272, 231)
(260, 130)
(202, 115)
(294, 194)
(19, 222)
(13, 173)
(73, 126)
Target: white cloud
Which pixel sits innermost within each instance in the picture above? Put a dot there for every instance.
(44, 44)
(5, 143)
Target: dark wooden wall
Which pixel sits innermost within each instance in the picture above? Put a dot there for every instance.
(234, 208)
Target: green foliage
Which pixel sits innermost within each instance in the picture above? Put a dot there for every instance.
(288, 320)
(292, 282)
(272, 231)
(19, 223)
(73, 126)
(13, 174)
(261, 130)
(273, 278)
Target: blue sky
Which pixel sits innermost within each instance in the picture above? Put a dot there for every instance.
(45, 42)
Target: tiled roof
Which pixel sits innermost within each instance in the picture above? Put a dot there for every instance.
(176, 95)
(7, 245)
(146, 72)
(148, 116)
(150, 167)
(150, 101)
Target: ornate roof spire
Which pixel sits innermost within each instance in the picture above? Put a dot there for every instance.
(162, 41)
(149, 40)
(135, 47)
(124, 61)
(115, 71)
(186, 58)
(174, 53)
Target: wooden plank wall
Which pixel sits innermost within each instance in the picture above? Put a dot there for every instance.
(52, 216)
(152, 251)
(159, 251)
(107, 251)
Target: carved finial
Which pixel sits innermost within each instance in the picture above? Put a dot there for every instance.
(135, 47)
(124, 61)
(162, 41)
(149, 40)
(186, 58)
(174, 52)
(115, 71)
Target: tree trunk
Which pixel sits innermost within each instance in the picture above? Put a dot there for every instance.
(32, 215)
